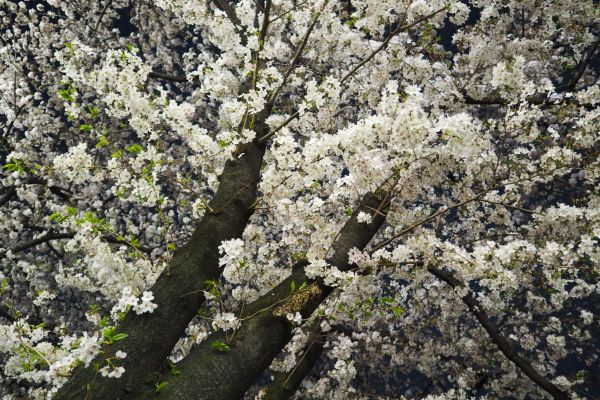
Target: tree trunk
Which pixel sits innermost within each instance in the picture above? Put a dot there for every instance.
(178, 290)
(210, 374)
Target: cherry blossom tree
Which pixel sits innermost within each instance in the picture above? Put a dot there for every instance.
(275, 199)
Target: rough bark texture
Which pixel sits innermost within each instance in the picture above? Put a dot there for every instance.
(177, 291)
(285, 384)
(210, 374)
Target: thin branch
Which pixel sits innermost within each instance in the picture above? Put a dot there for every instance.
(583, 66)
(261, 44)
(297, 54)
(280, 127)
(69, 235)
(11, 123)
(284, 385)
(167, 77)
(4, 313)
(43, 239)
(283, 14)
(10, 192)
(425, 220)
(382, 46)
(503, 344)
(108, 3)
(499, 203)
(387, 40)
(265, 23)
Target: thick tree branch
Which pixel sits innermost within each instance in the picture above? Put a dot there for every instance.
(42, 239)
(4, 313)
(284, 384)
(213, 375)
(503, 344)
(224, 6)
(583, 66)
(69, 235)
(10, 192)
(178, 291)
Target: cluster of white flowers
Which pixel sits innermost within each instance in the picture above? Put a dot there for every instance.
(76, 165)
(330, 275)
(140, 305)
(226, 321)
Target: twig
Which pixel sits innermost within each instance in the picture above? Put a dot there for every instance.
(357, 67)
(167, 77)
(425, 220)
(108, 3)
(297, 54)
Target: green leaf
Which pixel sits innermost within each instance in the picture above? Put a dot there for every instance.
(220, 346)
(55, 216)
(119, 336)
(223, 143)
(211, 287)
(85, 127)
(210, 284)
(352, 21)
(292, 287)
(160, 386)
(299, 255)
(386, 300)
(94, 111)
(103, 321)
(67, 94)
(13, 167)
(117, 154)
(397, 310)
(348, 211)
(71, 211)
(103, 141)
(134, 148)
(109, 332)
(94, 309)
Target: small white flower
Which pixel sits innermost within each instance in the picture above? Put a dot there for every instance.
(146, 304)
(364, 218)
(294, 318)
(587, 317)
(225, 321)
(120, 354)
(117, 372)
